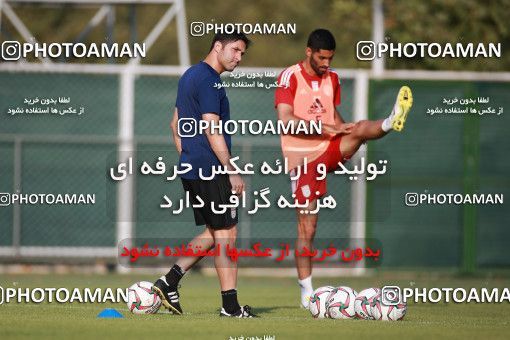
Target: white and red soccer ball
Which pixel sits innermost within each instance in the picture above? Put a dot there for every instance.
(317, 305)
(390, 312)
(142, 299)
(345, 303)
(340, 303)
(364, 301)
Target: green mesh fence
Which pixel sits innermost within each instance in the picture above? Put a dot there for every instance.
(432, 155)
(72, 154)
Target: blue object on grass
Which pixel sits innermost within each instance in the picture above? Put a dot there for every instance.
(110, 313)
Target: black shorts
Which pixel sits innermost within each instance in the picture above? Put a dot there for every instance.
(217, 190)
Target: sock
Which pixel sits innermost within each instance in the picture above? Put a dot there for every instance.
(174, 276)
(386, 124)
(306, 290)
(229, 299)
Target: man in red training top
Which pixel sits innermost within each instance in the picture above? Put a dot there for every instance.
(310, 90)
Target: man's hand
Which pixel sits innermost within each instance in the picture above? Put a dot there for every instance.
(341, 129)
(237, 183)
(345, 128)
(175, 135)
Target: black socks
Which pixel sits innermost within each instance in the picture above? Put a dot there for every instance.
(229, 298)
(174, 276)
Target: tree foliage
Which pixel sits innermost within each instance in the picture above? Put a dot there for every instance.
(350, 21)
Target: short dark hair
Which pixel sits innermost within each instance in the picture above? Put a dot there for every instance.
(225, 38)
(321, 39)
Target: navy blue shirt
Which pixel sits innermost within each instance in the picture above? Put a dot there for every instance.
(197, 95)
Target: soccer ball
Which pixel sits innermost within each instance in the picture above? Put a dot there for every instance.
(383, 312)
(363, 302)
(318, 299)
(142, 299)
(340, 303)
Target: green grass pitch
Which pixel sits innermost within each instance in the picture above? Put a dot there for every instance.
(274, 299)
